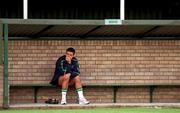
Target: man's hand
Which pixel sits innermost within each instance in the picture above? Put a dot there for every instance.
(69, 74)
(68, 59)
(69, 56)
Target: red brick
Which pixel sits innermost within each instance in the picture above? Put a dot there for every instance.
(111, 61)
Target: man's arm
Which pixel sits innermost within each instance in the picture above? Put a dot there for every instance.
(76, 69)
(61, 66)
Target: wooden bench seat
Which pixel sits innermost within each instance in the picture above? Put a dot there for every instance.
(115, 87)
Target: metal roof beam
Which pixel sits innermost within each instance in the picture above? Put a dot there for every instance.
(87, 22)
(52, 22)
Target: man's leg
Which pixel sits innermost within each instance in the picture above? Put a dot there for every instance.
(78, 85)
(63, 81)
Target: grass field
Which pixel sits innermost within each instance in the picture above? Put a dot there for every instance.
(99, 110)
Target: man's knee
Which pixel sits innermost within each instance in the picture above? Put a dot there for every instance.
(77, 79)
(66, 77)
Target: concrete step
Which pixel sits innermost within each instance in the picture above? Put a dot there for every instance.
(93, 105)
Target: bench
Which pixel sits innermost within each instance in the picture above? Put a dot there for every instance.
(114, 86)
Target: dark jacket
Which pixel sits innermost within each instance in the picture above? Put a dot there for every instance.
(63, 67)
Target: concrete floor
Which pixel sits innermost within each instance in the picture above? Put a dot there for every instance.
(93, 105)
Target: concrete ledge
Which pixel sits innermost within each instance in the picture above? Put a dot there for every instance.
(94, 105)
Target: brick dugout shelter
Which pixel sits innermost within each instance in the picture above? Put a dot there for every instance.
(112, 70)
(128, 60)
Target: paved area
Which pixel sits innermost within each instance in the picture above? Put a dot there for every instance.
(93, 105)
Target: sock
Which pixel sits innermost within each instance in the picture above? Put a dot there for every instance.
(64, 93)
(80, 93)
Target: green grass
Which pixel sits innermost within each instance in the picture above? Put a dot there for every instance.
(99, 110)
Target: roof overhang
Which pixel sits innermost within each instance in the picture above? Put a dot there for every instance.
(92, 29)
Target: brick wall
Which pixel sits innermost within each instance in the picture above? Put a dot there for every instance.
(1, 86)
(133, 95)
(167, 94)
(117, 61)
(101, 62)
(21, 95)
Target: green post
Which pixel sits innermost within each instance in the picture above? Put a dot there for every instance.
(1, 38)
(5, 81)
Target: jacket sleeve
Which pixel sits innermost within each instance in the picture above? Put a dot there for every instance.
(76, 70)
(59, 70)
(61, 66)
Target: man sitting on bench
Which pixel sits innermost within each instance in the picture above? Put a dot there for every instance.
(67, 73)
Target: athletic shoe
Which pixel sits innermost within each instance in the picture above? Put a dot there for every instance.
(63, 101)
(83, 101)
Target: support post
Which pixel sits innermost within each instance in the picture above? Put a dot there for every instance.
(25, 9)
(151, 94)
(122, 9)
(115, 93)
(5, 80)
(1, 43)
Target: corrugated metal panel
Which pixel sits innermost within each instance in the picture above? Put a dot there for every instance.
(128, 29)
(120, 31)
(24, 30)
(67, 31)
(76, 31)
(152, 9)
(165, 31)
(74, 9)
(11, 8)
